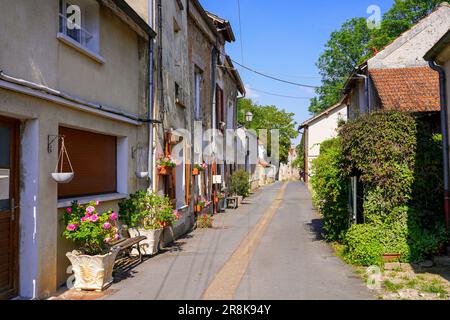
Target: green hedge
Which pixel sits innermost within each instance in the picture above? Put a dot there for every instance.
(398, 158)
(330, 187)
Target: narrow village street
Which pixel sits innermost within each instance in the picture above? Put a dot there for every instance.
(160, 150)
(288, 260)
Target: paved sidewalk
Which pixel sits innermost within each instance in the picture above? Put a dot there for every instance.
(286, 260)
(185, 271)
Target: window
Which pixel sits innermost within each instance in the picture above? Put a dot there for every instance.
(94, 160)
(219, 109)
(197, 93)
(230, 115)
(79, 21)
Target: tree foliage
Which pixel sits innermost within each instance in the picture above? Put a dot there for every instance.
(270, 117)
(354, 42)
(345, 49)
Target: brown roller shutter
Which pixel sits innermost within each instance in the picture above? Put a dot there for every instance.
(94, 161)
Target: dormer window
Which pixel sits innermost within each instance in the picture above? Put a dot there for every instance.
(79, 23)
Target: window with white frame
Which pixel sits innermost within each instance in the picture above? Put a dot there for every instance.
(79, 21)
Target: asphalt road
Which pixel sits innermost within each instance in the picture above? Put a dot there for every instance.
(269, 248)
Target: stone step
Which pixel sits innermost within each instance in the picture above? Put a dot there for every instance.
(442, 261)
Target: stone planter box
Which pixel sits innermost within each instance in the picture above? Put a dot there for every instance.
(149, 246)
(92, 272)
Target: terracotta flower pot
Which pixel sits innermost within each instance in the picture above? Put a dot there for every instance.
(387, 257)
(165, 170)
(198, 208)
(195, 172)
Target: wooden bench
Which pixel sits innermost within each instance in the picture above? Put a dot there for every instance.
(232, 202)
(128, 244)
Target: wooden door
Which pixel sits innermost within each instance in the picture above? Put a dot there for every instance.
(8, 208)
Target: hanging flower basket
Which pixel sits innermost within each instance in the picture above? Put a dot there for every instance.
(199, 168)
(63, 177)
(165, 170)
(60, 176)
(141, 175)
(165, 165)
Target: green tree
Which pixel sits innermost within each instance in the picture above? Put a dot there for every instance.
(270, 117)
(345, 49)
(402, 16)
(354, 42)
(299, 162)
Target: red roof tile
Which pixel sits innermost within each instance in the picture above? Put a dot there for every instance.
(407, 89)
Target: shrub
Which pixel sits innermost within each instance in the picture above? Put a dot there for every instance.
(425, 241)
(397, 157)
(92, 231)
(330, 190)
(381, 149)
(240, 183)
(147, 210)
(365, 244)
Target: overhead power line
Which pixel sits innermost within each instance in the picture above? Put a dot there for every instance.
(274, 78)
(240, 31)
(280, 95)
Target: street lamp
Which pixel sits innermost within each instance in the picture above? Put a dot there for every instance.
(249, 117)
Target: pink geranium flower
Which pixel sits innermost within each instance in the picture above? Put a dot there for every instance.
(94, 218)
(90, 209)
(106, 225)
(116, 237)
(72, 227)
(86, 218)
(97, 203)
(114, 216)
(69, 210)
(107, 240)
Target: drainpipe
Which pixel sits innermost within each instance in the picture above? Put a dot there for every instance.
(150, 102)
(366, 90)
(444, 128)
(214, 53)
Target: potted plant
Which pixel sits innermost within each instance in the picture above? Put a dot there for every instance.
(199, 206)
(199, 168)
(204, 221)
(219, 200)
(165, 165)
(240, 184)
(388, 257)
(147, 214)
(93, 233)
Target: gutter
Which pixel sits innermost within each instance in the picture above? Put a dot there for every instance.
(150, 101)
(366, 91)
(37, 90)
(444, 128)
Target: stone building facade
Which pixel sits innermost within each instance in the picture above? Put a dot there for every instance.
(87, 85)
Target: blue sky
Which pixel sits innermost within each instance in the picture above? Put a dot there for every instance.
(284, 38)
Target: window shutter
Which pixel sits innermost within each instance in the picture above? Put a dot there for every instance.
(94, 161)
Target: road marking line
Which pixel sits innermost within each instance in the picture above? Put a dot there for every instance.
(227, 280)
